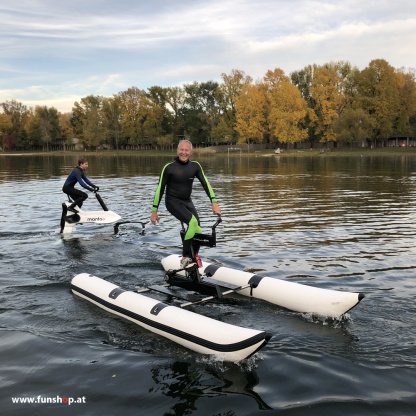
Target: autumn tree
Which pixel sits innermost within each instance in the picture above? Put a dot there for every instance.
(152, 119)
(160, 96)
(286, 108)
(142, 117)
(302, 79)
(18, 115)
(226, 96)
(251, 114)
(67, 129)
(5, 125)
(406, 86)
(9, 142)
(329, 98)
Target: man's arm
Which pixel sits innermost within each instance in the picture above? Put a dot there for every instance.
(81, 178)
(158, 195)
(207, 187)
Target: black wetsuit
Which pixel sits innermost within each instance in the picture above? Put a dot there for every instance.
(178, 177)
(77, 175)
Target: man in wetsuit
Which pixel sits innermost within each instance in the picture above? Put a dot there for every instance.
(77, 175)
(177, 177)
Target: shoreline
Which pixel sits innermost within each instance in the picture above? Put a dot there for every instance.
(384, 151)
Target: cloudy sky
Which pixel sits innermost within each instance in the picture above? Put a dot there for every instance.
(55, 52)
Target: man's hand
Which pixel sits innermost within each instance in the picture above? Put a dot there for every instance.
(154, 218)
(216, 208)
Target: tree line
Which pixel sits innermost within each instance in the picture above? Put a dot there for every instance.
(335, 102)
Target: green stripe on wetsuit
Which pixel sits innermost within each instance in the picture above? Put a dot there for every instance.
(159, 190)
(193, 228)
(211, 192)
(178, 178)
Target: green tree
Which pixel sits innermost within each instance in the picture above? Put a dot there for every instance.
(23, 140)
(44, 126)
(175, 99)
(88, 120)
(200, 111)
(354, 125)
(131, 122)
(112, 116)
(378, 95)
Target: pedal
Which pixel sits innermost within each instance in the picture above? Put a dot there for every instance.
(192, 272)
(72, 219)
(168, 275)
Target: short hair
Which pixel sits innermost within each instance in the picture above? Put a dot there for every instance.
(185, 141)
(81, 160)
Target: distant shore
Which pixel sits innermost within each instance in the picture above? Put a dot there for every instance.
(384, 151)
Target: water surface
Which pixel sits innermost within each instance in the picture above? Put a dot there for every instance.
(332, 222)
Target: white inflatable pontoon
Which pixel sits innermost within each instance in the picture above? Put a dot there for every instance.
(290, 295)
(196, 332)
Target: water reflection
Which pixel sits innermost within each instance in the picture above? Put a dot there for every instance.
(186, 383)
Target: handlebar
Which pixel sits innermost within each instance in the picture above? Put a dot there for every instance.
(219, 221)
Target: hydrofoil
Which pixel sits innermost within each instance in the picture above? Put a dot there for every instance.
(70, 219)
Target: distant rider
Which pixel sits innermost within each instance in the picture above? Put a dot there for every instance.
(77, 175)
(178, 177)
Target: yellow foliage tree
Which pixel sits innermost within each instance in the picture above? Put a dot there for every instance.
(327, 92)
(250, 114)
(226, 96)
(286, 109)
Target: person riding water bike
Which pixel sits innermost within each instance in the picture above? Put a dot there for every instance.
(178, 177)
(78, 176)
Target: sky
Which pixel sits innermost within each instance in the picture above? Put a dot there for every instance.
(55, 52)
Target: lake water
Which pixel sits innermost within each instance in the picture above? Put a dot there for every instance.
(331, 222)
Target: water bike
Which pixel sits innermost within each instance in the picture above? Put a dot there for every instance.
(70, 219)
(215, 281)
(191, 330)
(201, 282)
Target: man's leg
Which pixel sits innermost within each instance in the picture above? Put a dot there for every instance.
(78, 196)
(185, 212)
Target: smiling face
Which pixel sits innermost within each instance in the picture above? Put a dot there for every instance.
(184, 151)
(84, 165)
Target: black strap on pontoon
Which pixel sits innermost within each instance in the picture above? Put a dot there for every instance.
(115, 292)
(254, 282)
(211, 269)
